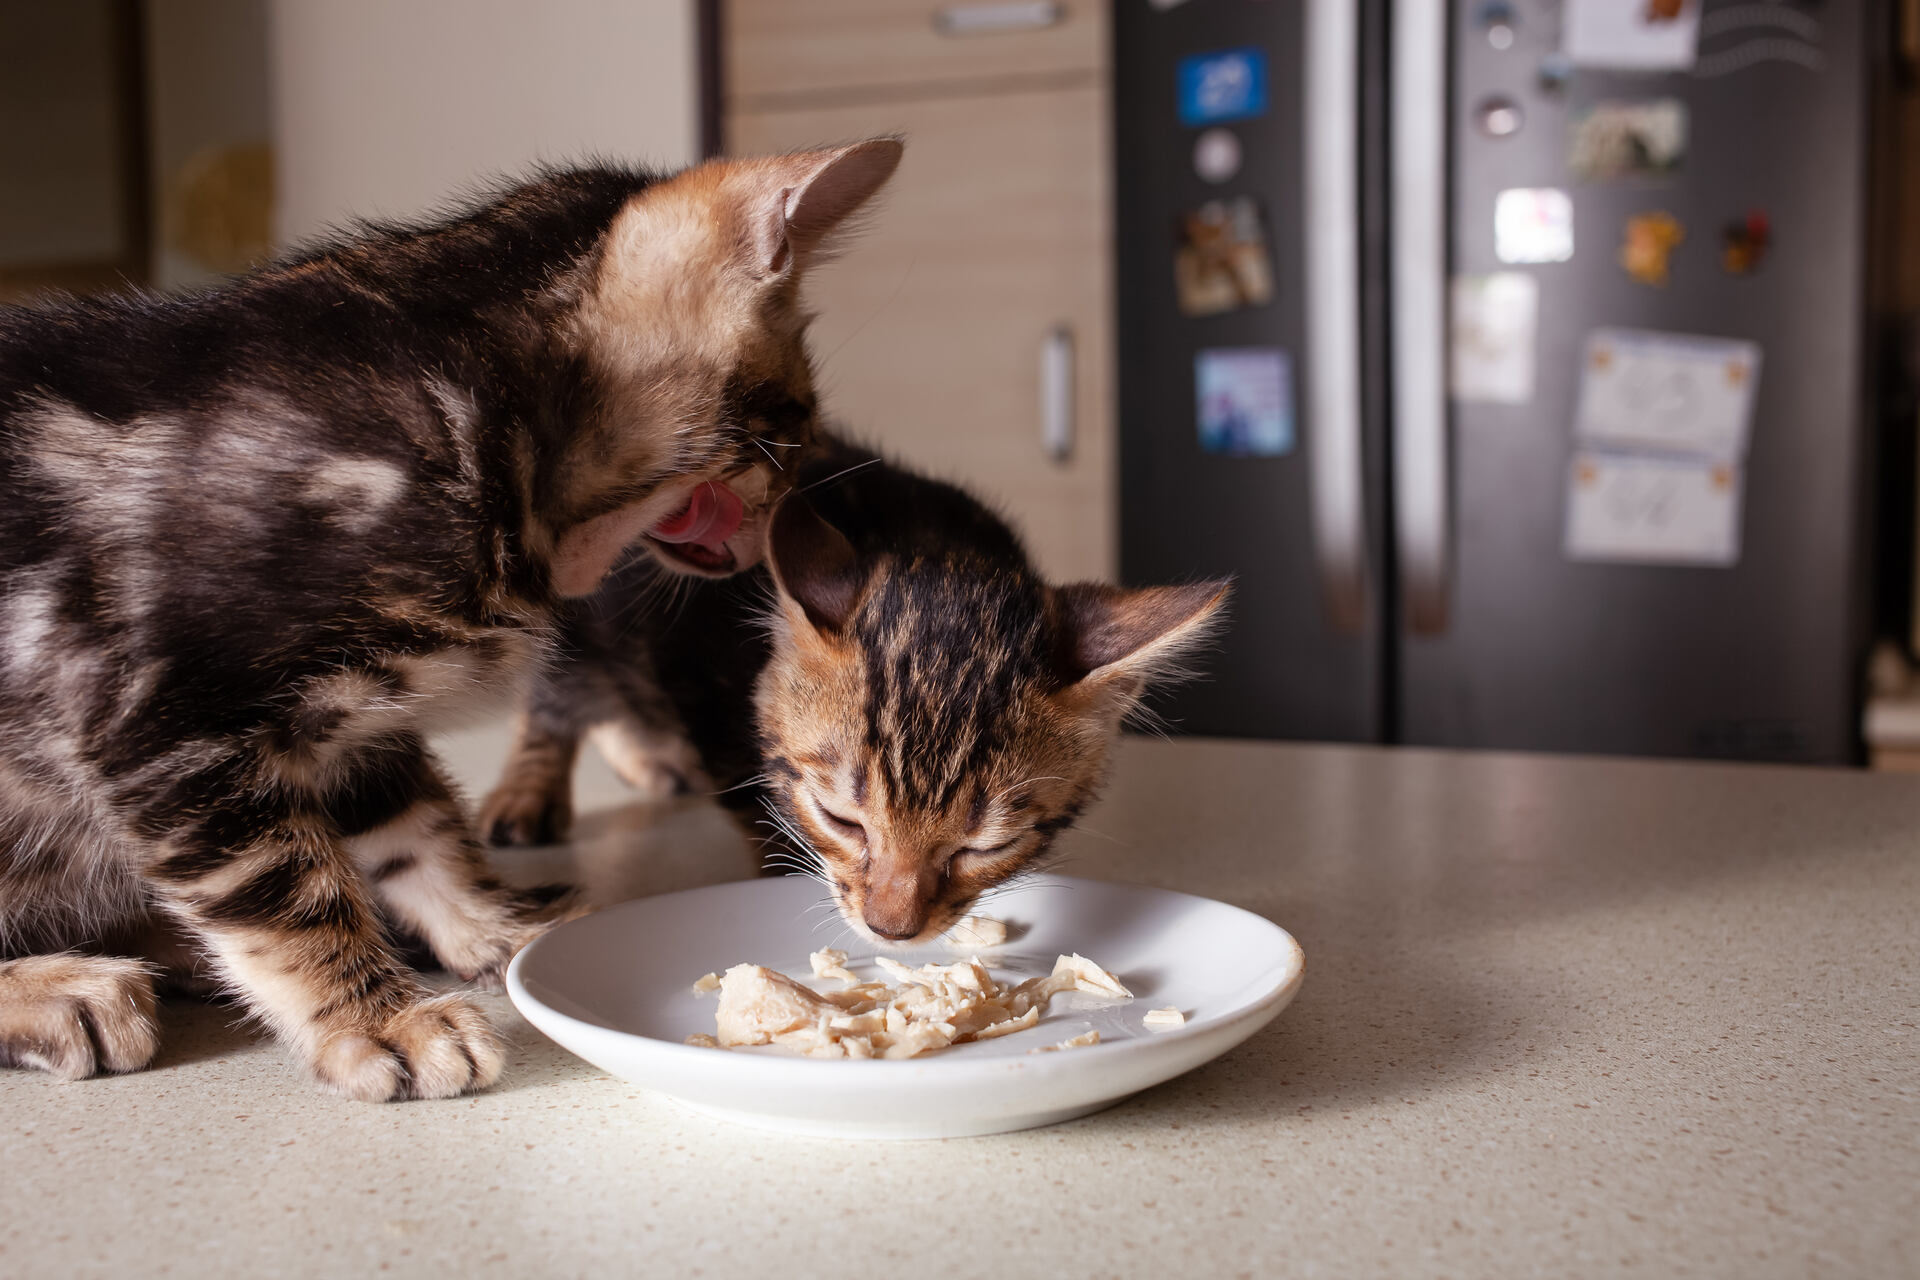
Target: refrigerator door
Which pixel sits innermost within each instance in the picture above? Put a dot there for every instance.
(1239, 151)
(1664, 584)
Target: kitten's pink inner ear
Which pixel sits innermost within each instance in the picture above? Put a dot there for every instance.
(813, 564)
(775, 252)
(1136, 629)
(824, 189)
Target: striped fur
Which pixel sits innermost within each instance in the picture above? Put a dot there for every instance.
(915, 718)
(255, 544)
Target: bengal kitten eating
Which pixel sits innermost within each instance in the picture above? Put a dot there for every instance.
(917, 713)
(256, 543)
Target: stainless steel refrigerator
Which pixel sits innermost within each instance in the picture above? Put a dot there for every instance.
(1512, 357)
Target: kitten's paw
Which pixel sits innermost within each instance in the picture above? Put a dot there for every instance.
(435, 1048)
(526, 812)
(77, 1016)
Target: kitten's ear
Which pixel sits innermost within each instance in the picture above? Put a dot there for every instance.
(813, 564)
(1129, 638)
(799, 200)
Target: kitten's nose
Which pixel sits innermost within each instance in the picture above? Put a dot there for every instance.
(898, 895)
(894, 920)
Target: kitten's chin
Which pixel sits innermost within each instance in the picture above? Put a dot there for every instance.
(695, 560)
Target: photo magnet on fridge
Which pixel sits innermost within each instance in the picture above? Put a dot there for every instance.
(1222, 262)
(1631, 35)
(1217, 87)
(1645, 510)
(1668, 392)
(1243, 400)
(1533, 224)
(1492, 343)
(1628, 140)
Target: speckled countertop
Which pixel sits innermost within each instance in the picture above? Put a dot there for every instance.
(1561, 1016)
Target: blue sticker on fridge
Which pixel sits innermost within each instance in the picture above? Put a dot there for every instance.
(1216, 87)
(1243, 400)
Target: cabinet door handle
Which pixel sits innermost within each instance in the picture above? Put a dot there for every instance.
(1056, 393)
(1007, 15)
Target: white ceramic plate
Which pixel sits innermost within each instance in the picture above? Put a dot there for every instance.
(616, 988)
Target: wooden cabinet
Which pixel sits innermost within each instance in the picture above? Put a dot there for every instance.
(988, 258)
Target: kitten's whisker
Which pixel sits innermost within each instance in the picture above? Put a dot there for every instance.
(844, 471)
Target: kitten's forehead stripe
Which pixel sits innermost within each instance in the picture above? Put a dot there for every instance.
(940, 699)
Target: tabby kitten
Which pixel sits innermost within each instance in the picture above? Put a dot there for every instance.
(255, 544)
(917, 713)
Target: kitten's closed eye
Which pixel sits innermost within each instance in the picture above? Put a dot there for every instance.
(846, 827)
(972, 859)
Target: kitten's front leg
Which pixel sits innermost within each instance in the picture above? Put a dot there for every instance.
(412, 840)
(262, 879)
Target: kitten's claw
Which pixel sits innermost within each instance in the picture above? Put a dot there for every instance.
(77, 1016)
(436, 1048)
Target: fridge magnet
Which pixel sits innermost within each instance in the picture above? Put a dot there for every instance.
(1533, 224)
(1743, 243)
(1498, 116)
(1553, 73)
(1495, 19)
(1631, 35)
(1243, 400)
(1628, 140)
(1668, 392)
(1647, 510)
(1216, 155)
(1217, 87)
(1491, 345)
(1650, 241)
(1222, 262)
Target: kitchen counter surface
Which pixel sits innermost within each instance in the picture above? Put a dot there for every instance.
(1561, 1016)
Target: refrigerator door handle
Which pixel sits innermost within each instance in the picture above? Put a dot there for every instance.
(1418, 307)
(1331, 184)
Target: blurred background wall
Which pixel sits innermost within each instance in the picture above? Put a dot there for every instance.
(383, 107)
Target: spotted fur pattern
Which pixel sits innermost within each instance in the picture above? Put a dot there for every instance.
(256, 544)
(899, 698)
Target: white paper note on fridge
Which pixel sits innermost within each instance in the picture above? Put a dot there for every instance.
(1494, 319)
(1653, 510)
(1632, 35)
(1668, 393)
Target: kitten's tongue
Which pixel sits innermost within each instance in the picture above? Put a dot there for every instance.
(711, 516)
